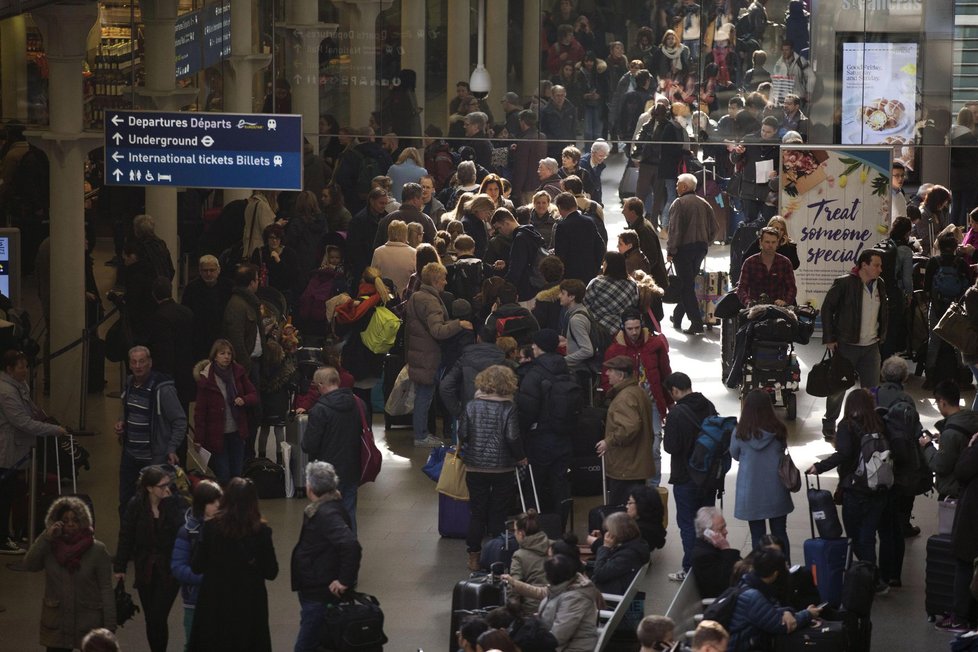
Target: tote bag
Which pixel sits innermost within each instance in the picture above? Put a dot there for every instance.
(451, 482)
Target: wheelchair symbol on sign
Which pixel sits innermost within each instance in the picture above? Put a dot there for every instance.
(272, 125)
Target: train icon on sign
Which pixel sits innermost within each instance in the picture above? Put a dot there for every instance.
(277, 160)
(272, 124)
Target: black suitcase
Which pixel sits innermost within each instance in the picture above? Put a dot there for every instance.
(596, 517)
(551, 523)
(821, 636)
(479, 592)
(589, 430)
(822, 511)
(269, 477)
(939, 577)
(585, 475)
(858, 588)
(728, 342)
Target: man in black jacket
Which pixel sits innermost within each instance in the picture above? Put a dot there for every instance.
(518, 270)
(681, 430)
(577, 241)
(410, 211)
(548, 446)
(333, 434)
(206, 296)
(326, 560)
(457, 387)
(362, 232)
(171, 343)
(854, 319)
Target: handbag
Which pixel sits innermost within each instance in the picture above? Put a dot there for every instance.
(381, 331)
(672, 286)
(354, 623)
(451, 482)
(955, 328)
(436, 459)
(125, 608)
(788, 473)
(401, 399)
(370, 456)
(832, 375)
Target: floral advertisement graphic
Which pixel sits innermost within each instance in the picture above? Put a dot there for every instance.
(837, 203)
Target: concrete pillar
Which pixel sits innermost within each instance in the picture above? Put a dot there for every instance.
(239, 71)
(459, 22)
(414, 42)
(531, 48)
(13, 68)
(65, 28)
(497, 50)
(303, 25)
(363, 70)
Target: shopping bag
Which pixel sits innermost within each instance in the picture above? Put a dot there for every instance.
(401, 400)
(451, 482)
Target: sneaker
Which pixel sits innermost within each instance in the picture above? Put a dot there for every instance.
(952, 624)
(881, 588)
(8, 547)
(678, 576)
(429, 441)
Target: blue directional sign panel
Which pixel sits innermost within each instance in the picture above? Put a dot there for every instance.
(203, 150)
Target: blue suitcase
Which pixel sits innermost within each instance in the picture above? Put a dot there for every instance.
(827, 559)
(453, 517)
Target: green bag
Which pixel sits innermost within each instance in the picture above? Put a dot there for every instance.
(382, 330)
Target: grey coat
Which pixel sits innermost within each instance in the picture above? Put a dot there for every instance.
(760, 494)
(571, 615)
(18, 427)
(427, 323)
(74, 603)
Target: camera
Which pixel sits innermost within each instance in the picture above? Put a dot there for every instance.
(480, 83)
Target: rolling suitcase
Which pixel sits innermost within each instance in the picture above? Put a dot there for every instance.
(728, 344)
(629, 181)
(47, 496)
(822, 635)
(585, 475)
(479, 593)
(822, 512)
(268, 476)
(551, 524)
(453, 517)
(589, 431)
(939, 577)
(295, 428)
(710, 288)
(826, 556)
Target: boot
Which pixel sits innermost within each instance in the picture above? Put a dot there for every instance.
(473, 561)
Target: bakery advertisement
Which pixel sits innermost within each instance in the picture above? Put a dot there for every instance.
(837, 203)
(879, 91)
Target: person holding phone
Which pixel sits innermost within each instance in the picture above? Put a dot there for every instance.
(713, 559)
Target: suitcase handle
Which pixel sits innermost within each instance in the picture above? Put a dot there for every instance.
(533, 484)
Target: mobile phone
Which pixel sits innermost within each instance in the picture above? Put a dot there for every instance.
(822, 606)
(709, 533)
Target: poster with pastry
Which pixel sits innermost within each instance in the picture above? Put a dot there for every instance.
(879, 93)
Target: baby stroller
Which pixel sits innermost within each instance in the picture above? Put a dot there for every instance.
(767, 337)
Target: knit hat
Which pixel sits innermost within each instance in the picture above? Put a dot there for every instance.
(547, 339)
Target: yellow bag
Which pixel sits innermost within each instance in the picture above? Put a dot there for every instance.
(451, 482)
(382, 330)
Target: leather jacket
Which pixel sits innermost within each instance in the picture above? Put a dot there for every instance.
(489, 432)
(842, 310)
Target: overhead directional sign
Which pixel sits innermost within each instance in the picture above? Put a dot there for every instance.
(203, 150)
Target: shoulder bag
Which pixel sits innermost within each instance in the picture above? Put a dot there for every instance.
(788, 473)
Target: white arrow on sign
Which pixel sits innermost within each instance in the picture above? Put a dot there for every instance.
(207, 141)
(116, 156)
(117, 138)
(116, 120)
(117, 174)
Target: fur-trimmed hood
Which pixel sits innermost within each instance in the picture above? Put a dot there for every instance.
(77, 505)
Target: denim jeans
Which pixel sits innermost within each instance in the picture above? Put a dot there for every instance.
(129, 468)
(593, 124)
(490, 498)
(348, 490)
(670, 196)
(689, 498)
(656, 478)
(312, 616)
(229, 463)
(423, 394)
(688, 260)
(778, 528)
(866, 361)
(861, 514)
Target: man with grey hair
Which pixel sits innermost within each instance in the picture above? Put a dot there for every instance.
(326, 560)
(151, 248)
(207, 296)
(152, 425)
(333, 433)
(548, 172)
(475, 130)
(693, 228)
(559, 121)
(713, 559)
(594, 163)
(412, 201)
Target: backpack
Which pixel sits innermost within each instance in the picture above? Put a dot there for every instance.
(875, 469)
(889, 249)
(464, 279)
(563, 402)
(710, 459)
(600, 339)
(516, 326)
(381, 332)
(949, 283)
(903, 429)
(537, 282)
(722, 609)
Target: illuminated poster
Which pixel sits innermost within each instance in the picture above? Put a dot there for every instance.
(879, 90)
(836, 202)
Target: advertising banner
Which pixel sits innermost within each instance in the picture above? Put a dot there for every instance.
(879, 91)
(837, 203)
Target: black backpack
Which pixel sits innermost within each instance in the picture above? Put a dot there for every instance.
(949, 282)
(903, 429)
(889, 249)
(722, 609)
(464, 279)
(563, 401)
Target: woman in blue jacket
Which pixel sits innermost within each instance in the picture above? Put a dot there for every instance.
(207, 500)
(759, 445)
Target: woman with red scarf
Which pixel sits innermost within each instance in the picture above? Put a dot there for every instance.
(78, 593)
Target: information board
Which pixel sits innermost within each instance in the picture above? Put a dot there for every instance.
(202, 38)
(879, 93)
(203, 150)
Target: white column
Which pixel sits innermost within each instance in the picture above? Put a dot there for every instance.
(531, 47)
(13, 68)
(239, 71)
(65, 28)
(497, 50)
(458, 25)
(363, 23)
(303, 23)
(414, 41)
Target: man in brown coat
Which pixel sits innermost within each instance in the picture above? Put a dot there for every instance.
(692, 229)
(427, 323)
(627, 444)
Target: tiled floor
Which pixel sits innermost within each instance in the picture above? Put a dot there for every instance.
(412, 571)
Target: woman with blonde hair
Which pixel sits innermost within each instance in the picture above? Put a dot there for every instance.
(475, 220)
(78, 594)
(544, 216)
(492, 446)
(409, 168)
(395, 259)
(786, 246)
